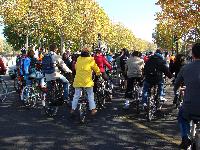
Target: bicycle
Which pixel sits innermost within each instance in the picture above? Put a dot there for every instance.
(33, 92)
(136, 95)
(83, 105)
(179, 97)
(194, 133)
(100, 93)
(3, 90)
(53, 97)
(153, 102)
(122, 83)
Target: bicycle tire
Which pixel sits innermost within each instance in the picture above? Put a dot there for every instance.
(149, 109)
(16, 85)
(137, 101)
(55, 93)
(29, 97)
(82, 112)
(3, 90)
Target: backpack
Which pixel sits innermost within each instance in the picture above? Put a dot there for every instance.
(151, 69)
(48, 64)
(22, 65)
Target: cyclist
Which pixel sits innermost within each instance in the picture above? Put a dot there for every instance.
(190, 75)
(123, 58)
(179, 62)
(25, 65)
(153, 73)
(109, 57)
(50, 64)
(101, 62)
(2, 67)
(134, 66)
(83, 79)
(67, 59)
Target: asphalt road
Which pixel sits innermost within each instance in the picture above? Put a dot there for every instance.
(112, 128)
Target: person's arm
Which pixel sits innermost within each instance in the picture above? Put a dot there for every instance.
(95, 68)
(105, 62)
(179, 80)
(164, 68)
(126, 68)
(62, 64)
(27, 63)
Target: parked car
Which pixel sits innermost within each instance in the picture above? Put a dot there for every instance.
(12, 71)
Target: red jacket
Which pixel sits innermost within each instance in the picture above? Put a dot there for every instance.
(101, 62)
(146, 58)
(2, 67)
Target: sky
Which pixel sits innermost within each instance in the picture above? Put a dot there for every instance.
(137, 15)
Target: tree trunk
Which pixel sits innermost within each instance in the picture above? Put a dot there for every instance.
(26, 42)
(62, 44)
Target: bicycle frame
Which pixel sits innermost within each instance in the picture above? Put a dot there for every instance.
(83, 105)
(152, 102)
(195, 133)
(4, 90)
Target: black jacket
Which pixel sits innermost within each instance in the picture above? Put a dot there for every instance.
(154, 69)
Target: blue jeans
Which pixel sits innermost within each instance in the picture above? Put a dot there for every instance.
(26, 79)
(65, 86)
(147, 86)
(184, 124)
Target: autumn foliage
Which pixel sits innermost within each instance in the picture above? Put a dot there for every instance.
(79, 21)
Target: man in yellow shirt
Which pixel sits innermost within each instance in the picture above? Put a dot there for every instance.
(84, 67)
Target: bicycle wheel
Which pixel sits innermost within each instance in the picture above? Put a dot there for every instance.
(29, 97)
(49, 103)
(3, 90)
(137, 101)
(16, 85)
(82, 112)
(150, 110)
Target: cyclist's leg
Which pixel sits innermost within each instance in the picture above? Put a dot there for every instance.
(95, 83)
(76, 97)
(42, 82)
(161, 88)
(184, 125)
(129, 88)
(26, 78)
(128, 93)
(65, 86)
(146, 87)
(105, 76)
(90, 94)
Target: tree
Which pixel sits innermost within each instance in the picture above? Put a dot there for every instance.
(179, 18)
(80, 21)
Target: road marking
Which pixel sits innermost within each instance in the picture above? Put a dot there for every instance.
(11, 92)
(149, 130)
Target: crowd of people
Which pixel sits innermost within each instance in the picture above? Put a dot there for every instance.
(148, 69)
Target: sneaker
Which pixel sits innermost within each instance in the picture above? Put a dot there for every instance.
(93, 112)
(144, 106)
(126, 105)
(186, 142)
(72, 113)
(162, 99)
(175, 100)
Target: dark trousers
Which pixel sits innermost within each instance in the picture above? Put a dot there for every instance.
(130, 83)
